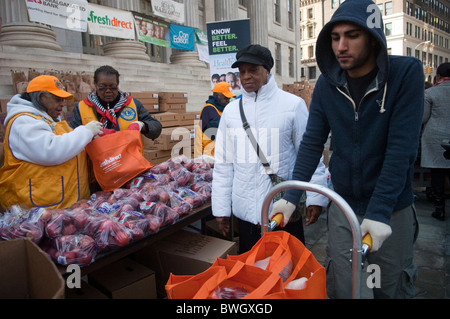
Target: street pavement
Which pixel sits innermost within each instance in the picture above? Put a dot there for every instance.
(431, 251)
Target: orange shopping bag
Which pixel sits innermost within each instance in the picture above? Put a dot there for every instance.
(281, 253)
(117, 158)
(243, 282)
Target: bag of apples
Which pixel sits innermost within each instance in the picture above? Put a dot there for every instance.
(21, 222)
(72, 249)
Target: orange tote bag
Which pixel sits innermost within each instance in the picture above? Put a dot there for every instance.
(117, 158)
(288, 257)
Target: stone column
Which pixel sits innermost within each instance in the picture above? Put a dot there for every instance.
(257, 12)
(18, 31)
(124, 48)
(225, 10)
(189, 58)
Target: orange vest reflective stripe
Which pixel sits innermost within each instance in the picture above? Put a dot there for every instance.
(58, 186)
(127, 116)
(203, 145)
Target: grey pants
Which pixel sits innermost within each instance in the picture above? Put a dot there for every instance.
(395, 257)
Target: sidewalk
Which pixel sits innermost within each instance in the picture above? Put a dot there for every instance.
(432, 251)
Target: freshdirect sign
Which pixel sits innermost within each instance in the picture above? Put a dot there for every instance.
(110, 22)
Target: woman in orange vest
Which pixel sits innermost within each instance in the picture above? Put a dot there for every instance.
(44, 159)
(115, 109)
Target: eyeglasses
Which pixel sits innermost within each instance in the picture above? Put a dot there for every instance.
(104, 89)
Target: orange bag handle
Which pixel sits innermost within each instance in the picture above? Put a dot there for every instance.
(187, 287)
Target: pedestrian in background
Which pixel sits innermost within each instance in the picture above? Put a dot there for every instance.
(436, 121)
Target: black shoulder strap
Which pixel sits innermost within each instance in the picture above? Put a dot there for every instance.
(255, 144)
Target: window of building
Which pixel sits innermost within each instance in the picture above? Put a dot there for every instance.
(334, 4)
(291, 14)
(243, 3)
(302, 72)
(311, 31)
(278, 58)
(408, 52)
(388, 8)
(310, 13)
(310, 51)
(312, 72)
(388, 28)
(276, 11)
(291, 62)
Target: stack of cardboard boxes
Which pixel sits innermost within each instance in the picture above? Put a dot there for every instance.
(177, 136)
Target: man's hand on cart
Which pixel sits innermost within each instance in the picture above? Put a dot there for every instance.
(378, 231)
(224, 225)
(284, 208)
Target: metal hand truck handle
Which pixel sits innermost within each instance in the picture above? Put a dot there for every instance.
(342, 204)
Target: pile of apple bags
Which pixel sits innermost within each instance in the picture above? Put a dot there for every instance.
(108, 220)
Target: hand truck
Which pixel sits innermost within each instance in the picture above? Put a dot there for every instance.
(358, 250)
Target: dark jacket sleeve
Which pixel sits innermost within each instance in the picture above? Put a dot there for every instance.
(76, 118)
(153, 126)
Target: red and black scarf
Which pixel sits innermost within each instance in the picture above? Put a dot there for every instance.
(108, 113)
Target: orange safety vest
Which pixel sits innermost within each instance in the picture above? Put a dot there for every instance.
(203, 145)
(58, 186)
(127, 116)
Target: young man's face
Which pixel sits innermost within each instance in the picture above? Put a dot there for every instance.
(354, 48)
(252, 76)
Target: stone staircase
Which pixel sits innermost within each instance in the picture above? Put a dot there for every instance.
(135, 75)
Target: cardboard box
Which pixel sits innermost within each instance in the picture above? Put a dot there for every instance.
(184, 253)
(149, 100)
(168, 119)
(27, 272)
(3, 103)
(169, 138)
(86, 291)
(125, 279)
(176, 107)
(188, 118)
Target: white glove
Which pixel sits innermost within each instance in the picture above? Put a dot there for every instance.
(285, 208)
(95, 127)
(141, 124)
(378, 230)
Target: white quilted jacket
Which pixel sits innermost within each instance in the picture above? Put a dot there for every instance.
(240, 183)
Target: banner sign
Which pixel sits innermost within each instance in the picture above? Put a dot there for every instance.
(110, 22)
(225, 39)
(201, 42)
(169, 9)
(152, 30)
(182, 38)
(61, 14)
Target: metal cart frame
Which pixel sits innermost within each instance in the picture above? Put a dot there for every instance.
(346, 209)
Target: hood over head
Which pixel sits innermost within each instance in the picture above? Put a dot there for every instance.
(364, 13)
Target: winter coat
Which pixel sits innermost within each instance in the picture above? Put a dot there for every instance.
(374, 146)
(240, 183)
(436, 119)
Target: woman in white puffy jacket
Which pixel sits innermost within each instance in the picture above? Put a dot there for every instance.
(278, 120)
